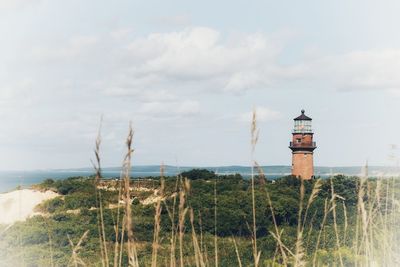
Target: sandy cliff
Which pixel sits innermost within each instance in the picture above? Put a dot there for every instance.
(19, 205)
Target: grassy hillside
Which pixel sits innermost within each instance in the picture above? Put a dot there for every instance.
(201, 219)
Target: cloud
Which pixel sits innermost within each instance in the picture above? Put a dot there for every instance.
(163, 65)
(262, 114)
(197, 58)
(73, 48)
(171, 68)
(202, 59)
(357, 70)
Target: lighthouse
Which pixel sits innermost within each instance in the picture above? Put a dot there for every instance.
(302, 147)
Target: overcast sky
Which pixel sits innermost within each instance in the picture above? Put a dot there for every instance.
(188, 75)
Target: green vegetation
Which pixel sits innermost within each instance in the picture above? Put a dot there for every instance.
(329, 230)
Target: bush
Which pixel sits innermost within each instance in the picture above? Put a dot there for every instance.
(79, 200)
(75, 184)
(199, 174)
(51, 205)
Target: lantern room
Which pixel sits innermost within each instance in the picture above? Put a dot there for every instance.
(302, 124)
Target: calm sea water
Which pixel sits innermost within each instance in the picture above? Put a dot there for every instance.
(13, 179)
(10, 180)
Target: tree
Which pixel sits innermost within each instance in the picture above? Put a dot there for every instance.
(196, 174)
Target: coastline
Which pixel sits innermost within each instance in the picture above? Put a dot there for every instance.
(18, 205)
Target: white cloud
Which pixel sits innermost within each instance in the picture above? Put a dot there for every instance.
(77, 46)
(199, 57)
(262, 114)
(357, 70)
(202, 59)
(162, 65)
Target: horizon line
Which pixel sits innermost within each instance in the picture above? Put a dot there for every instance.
(196, 167)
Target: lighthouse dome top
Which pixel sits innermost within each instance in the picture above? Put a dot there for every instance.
(302, 117)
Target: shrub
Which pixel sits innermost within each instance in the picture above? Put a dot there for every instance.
(199, 174)
(51, 205)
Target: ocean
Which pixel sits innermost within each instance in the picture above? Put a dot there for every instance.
(10, 180)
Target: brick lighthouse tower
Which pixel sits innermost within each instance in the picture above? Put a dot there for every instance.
(302, 147)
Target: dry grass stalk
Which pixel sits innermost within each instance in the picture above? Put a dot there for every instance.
(171, 215)
(157, 220)
(254, 131)
(103, 234)
(215, 225)
(357, 225)
(277, 234)
(393, 221)
(370, 217)
(197, 250)
(99, 210)
(121, 247)
(313, 196)
(182, 211)
(116, 226)
(299, 252)
(310, 230)
(254, 139)
(283, 246)
(236, 251)
(346, 224)
(327, 210)
(333, 201)
(384, 221)
(49, 234)
(132, 251)
(202, 244)
(363, 217)
(75, 259)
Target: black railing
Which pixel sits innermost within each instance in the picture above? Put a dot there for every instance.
(309, 144)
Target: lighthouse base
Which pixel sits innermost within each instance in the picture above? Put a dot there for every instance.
(303, 164)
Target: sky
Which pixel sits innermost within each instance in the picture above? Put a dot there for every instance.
(188, 74)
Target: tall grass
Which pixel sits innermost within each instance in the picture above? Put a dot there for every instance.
(75, 259)
(215, 224)
(157, 220)
(254, 139)
(99, 206)
(131, 245)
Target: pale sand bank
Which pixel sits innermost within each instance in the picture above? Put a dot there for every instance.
(19, 205)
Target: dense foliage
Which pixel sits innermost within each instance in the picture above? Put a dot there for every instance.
(74, 212)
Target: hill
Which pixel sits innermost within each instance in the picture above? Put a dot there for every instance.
(172, 219)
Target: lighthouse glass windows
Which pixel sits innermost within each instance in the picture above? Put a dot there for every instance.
(302, 126)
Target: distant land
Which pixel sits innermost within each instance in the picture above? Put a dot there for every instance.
(10, 180)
